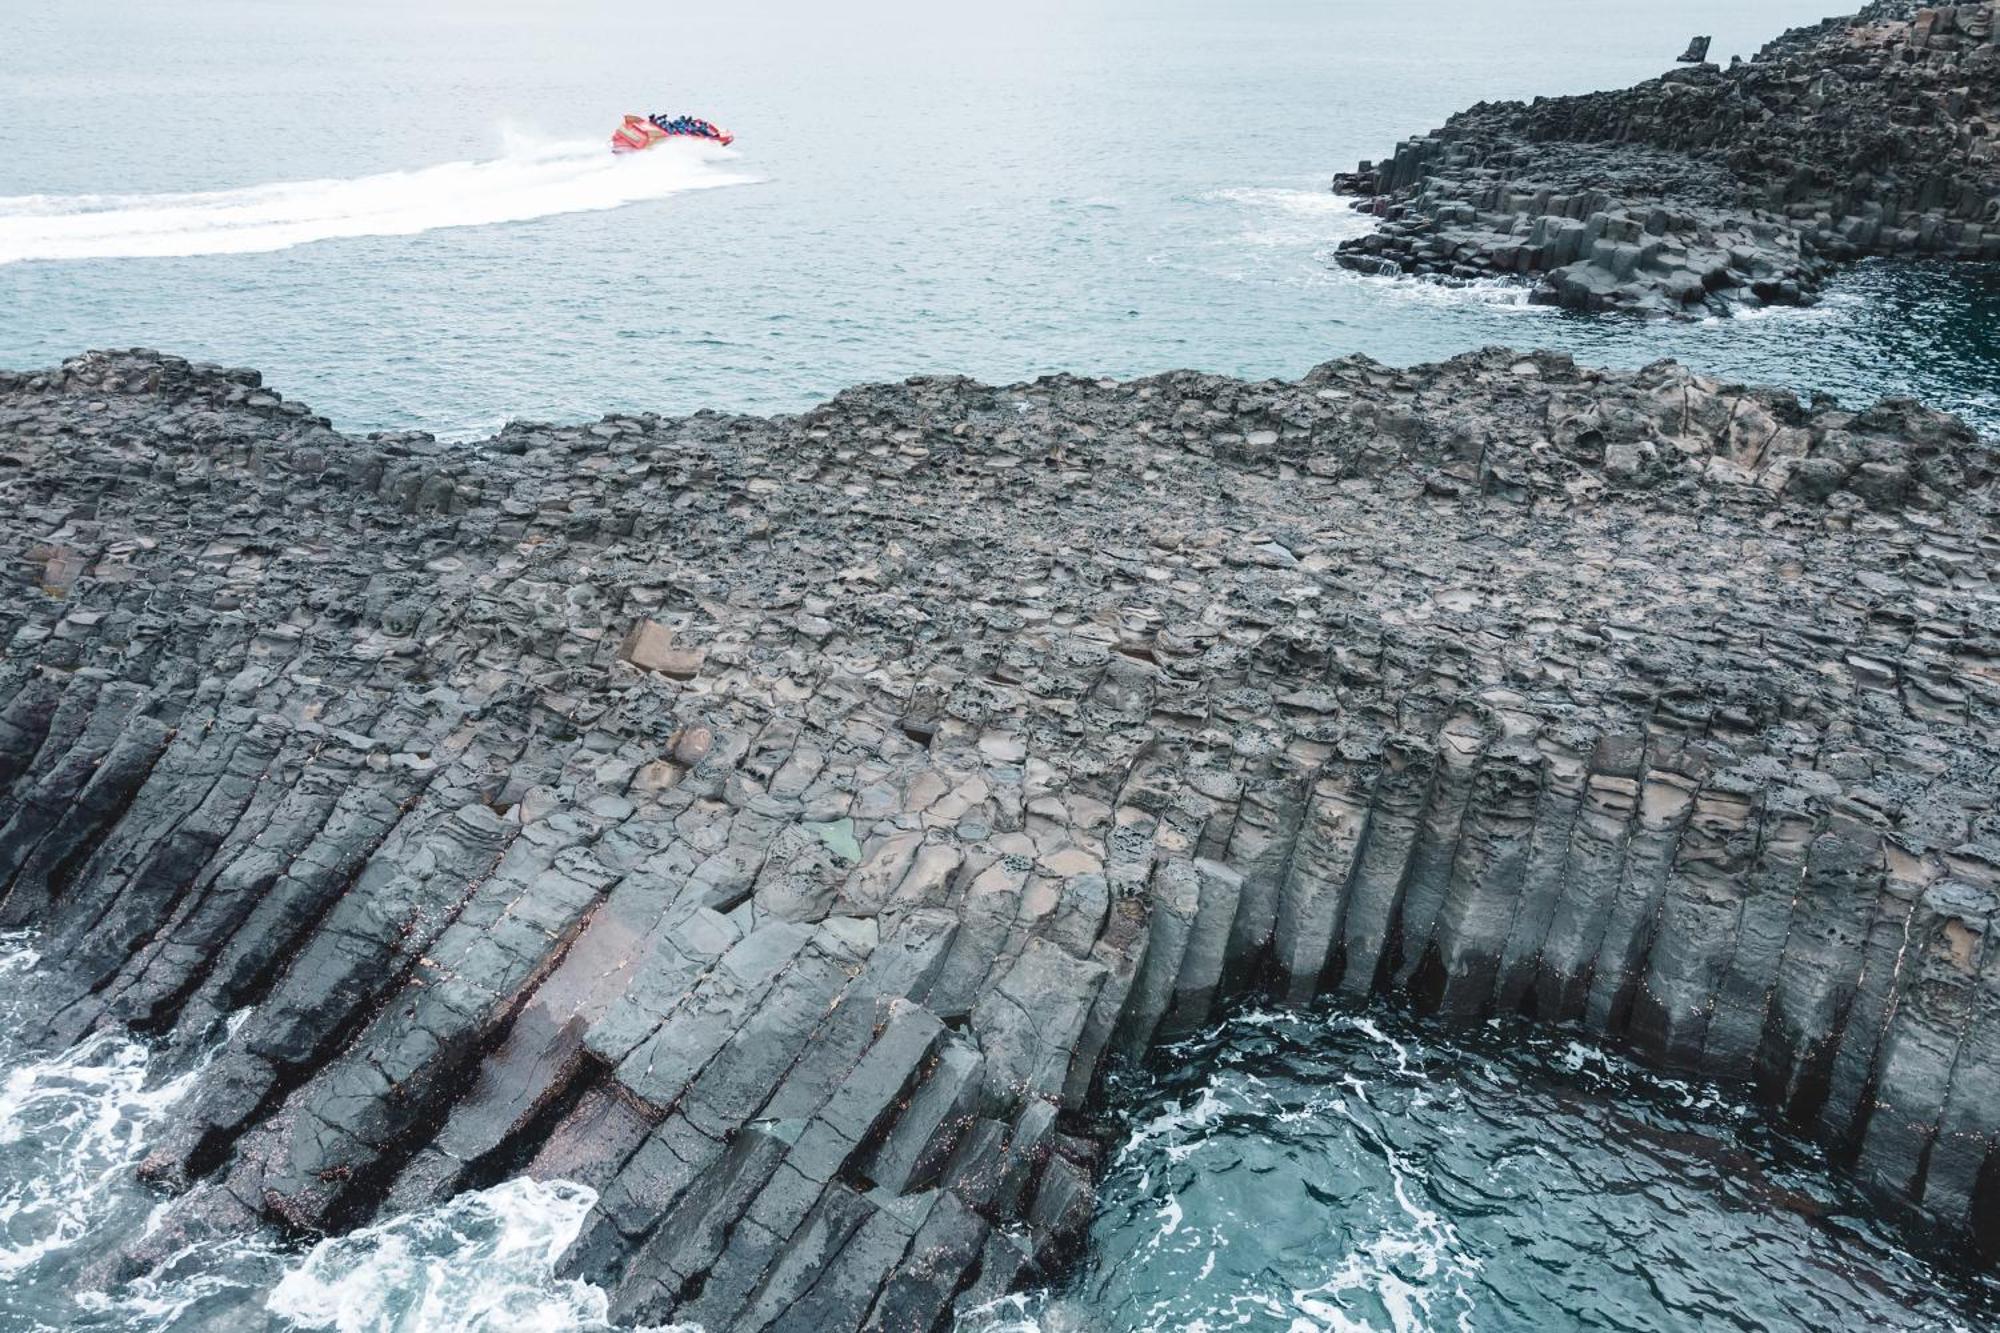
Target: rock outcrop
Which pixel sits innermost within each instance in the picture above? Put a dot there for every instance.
(1872, 135)
(776, 825)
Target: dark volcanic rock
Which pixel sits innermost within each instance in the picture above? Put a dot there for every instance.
(775, 824)
(1872, 135)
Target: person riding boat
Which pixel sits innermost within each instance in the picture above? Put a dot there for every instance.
(641, 132)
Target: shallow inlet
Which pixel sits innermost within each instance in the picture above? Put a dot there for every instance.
(1357, 1168)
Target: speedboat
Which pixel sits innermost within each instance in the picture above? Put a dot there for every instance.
(639, 133)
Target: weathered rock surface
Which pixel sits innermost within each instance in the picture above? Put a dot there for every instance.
(1872, 135)
(775, 825)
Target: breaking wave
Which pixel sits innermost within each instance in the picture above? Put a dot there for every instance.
(1290, 217)
(529, 181)
(74, 1125)
(482, 1262)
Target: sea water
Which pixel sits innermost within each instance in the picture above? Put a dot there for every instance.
(403, 213)
(74, 1126)
(1357, 1168)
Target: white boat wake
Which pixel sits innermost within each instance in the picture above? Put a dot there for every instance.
(528, 182)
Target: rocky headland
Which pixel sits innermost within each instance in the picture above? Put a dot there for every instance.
(778, 824)
(1874, 135)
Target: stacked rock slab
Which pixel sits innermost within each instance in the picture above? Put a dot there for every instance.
(1706, 188)
(777, 825)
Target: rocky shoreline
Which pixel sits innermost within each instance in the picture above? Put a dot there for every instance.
(1707, 188)
(777, 824)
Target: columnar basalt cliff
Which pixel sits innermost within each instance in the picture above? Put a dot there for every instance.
(777, 825)
(1872, 135)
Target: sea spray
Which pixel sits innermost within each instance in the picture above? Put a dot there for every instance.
(70, 1128)
(532, 180)
(481, 1263)
(75, 1124)
(1279, 217)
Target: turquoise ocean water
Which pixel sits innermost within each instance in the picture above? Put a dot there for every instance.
(1115, 187)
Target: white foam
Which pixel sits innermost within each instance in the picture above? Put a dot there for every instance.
(1178, 1130)
(1171, 1215)
(1287, 217)
(72, 1128)
(529, 181)
(84, 1111)
(18, 954)
(1503, 296)
(1012, 1313)
(484, 1261)
(1367, 1028)
(1412, 1266)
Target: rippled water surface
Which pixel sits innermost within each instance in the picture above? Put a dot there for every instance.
(404, 213)
(1349, 1169)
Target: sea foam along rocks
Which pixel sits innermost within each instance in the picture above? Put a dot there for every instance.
(1708, 188)
(775, 824)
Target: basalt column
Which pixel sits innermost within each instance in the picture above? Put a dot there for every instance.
(779, 825)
